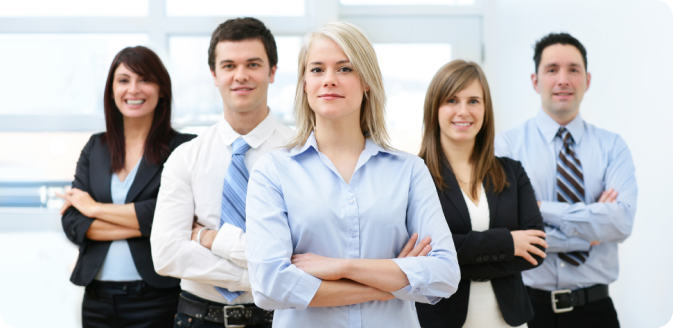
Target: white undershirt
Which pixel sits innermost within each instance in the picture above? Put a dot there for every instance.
(482, 309)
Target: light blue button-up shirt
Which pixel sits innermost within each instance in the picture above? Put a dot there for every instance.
(606, 163)
(298, 203)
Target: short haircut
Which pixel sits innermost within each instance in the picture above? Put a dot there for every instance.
(557, 38)
(146, 63)
(360, 52)
(240, 29)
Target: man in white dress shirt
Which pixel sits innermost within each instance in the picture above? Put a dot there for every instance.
(187, 240)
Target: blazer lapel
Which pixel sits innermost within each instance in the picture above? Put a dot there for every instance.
(144, 175)
(492, 205)
(99, 173)
(454, 195)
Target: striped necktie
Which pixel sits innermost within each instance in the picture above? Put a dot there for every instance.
(233, 197)
(570, 182)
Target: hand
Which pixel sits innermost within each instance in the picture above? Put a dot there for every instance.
(321, 267)
(594, 243)
(207, 236)
(608, 196)
(539, 204)
(81, 200)
(422, 249)
(524, 241)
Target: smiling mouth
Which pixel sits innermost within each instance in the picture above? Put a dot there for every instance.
(135, 102)
(563, 94)
(243, 89)
(462, 124)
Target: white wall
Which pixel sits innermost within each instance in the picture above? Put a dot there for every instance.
(630, 56)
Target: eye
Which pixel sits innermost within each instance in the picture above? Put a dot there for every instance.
(123, 80)
(228, 66)
(474, 101)
(345, 69)
(254, 65)
(316, 70)
(552, 70)
(452, 101)
(574, 70)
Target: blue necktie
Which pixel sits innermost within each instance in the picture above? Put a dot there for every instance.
(233, 197)
(570, 183)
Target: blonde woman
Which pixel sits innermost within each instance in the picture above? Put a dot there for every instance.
(327, 216)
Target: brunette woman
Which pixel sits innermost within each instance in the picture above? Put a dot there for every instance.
(488, 203)
(109, 210)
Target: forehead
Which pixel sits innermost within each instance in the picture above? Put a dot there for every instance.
(472, 89)
(122, 69)
(325, 50)
(561, 54)
(240, 50)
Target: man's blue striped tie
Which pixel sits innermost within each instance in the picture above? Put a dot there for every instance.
(233, 197)
(570, 184)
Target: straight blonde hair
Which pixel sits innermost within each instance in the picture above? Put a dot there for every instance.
(449, 80)
(360, 52)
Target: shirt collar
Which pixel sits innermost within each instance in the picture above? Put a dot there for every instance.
(370, 146)
(548, 127)
(254, 138)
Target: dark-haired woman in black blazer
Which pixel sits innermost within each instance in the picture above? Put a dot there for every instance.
(110, 208)
(488, 203)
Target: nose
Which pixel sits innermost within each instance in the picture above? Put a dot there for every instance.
(330, 79)
(133, 87)
(462, 109)
(563, 79)
(241, 74)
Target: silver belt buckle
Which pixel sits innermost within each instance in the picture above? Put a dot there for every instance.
(226, 316)
(554, 300)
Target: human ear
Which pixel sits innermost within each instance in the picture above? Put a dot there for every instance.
(533, 78)
(214, 78)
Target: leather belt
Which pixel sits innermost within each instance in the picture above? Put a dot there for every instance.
(566, 300)
(240, 315)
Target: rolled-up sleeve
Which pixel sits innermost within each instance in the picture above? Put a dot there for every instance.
(276, 283)
(75, 224)
(436, 275)
(173, 252)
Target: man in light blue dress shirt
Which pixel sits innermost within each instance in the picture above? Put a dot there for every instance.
(584, 181)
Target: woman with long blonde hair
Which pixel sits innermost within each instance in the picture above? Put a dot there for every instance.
(329, 216)
(488, 203)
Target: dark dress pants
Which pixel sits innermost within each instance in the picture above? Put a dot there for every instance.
(128, 304)
(598, 314)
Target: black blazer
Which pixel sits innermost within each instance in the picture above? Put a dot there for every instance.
(93, 176)
(488, 255)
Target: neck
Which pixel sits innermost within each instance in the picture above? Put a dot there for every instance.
(562, 118)
(136, 129)
(244, 122)
(458, 153)
(342, 135)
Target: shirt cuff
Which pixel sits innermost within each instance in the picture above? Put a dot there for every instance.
(302, 294)
(552, 212)
(405, 293)
(230, 240)
(415, 273)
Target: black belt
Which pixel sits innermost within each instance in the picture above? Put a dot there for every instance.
(565, 300)
(239, 315)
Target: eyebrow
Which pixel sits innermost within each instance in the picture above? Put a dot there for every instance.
(123, 74)
(249, 60)
(338, 63)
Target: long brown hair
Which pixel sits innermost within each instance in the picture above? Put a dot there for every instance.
(147, 64)
(449, 80)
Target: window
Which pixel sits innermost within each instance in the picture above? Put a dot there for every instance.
(407, 2)
(212, 8)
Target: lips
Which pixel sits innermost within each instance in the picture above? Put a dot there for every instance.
(330, 96)
(242, 89)
(135, 102)
(462, 124)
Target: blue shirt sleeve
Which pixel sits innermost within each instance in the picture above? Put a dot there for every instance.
(604, 222)
(436, 275)
(275, 282)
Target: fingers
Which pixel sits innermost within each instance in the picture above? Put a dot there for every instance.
(536, 251)
(65, 206)
(535, 233)
(538, 241)
(612, 197)
(420, 247)
(529, 258)
(59, 195)
(594, 243)
(425, 250)
(409, 246)
(604, 196)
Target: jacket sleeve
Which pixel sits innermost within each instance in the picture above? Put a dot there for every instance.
(529, 218)
(75, 224)
(145, 214)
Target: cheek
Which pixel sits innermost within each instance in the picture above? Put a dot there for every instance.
(444, 115)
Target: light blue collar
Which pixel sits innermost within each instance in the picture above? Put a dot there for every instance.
(548, 127)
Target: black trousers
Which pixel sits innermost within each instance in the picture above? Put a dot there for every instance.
(598, 314)
(128, 304)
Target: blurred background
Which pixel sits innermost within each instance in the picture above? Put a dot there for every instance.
(54, 58)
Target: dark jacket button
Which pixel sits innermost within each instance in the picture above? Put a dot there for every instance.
(494, 257)
(479, 259)
(502, 256)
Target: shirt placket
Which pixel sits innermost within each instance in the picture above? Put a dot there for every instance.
(352, 220)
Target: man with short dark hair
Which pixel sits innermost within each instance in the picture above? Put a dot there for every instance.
(584, 181)
(199, 222)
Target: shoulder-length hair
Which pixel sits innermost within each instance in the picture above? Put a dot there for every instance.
(360, 52)
(449, 80)
(147, 64)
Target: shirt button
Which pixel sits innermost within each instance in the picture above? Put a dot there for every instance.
(351, 201)
(576, 233)
(563, 265)
(353, 234)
